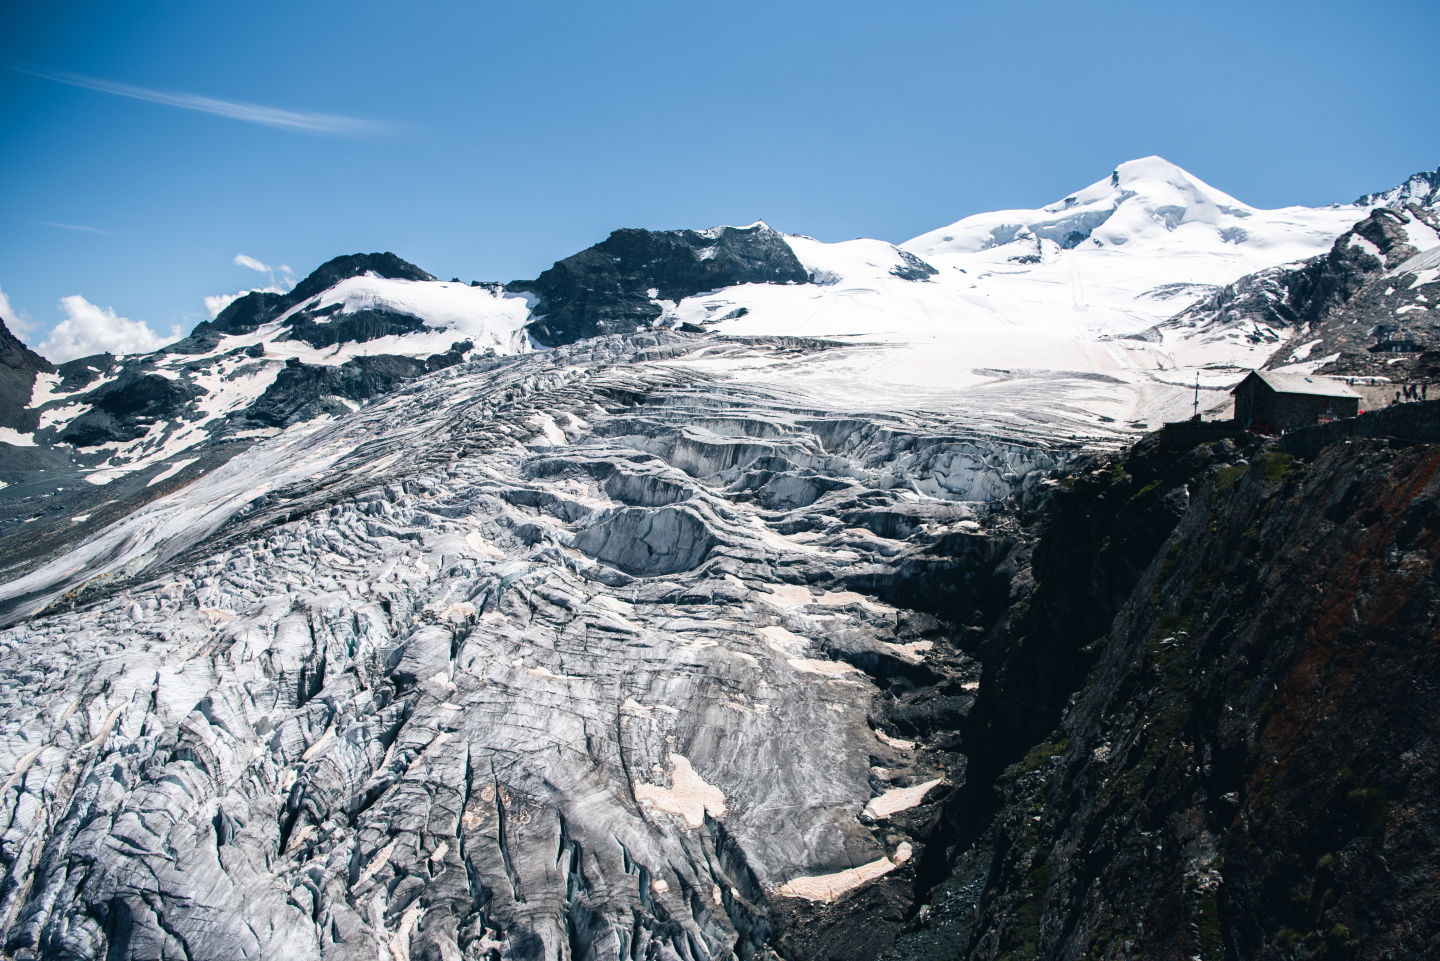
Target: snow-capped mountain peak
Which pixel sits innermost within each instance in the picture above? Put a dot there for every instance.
(1143, 199)
(1156, 185)
(1147, 240)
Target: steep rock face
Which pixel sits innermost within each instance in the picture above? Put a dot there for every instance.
(1245, 771)
(574, 654)
(18, 367)
(613, 287)
(1331, 303)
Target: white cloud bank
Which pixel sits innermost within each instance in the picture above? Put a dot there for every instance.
(16, 319)
(244, 260)
(88, 329)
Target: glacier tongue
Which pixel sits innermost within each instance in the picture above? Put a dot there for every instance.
(600, 651)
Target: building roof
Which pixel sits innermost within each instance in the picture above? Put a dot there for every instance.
(1300, 384)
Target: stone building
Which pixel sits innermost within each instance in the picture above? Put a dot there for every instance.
(1269, 402)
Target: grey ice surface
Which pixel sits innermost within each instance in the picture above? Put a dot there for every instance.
(534, 658)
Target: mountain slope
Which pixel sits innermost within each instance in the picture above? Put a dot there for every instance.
(1153, 236)
(19, 366)
(1002, 317)
(1327, 310)
(1144, 243)
(1242, 763)
(710, 641)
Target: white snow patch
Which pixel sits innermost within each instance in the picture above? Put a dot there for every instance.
(898, 799)
(483, 315)
(1366, 246)
(1424, 268)
(43, 390)
(1419, 234)
(828, 887)
(689, 795)
(171, 471)
(895, 742)
(58, 417)
(823, 667)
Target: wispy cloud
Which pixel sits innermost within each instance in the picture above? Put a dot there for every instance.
(319, 124)
(80, 227)
(286, 276)
(278, 285)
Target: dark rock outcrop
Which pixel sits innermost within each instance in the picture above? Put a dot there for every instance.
(352, 328)
(18, 367)
(81, 372)
(302, 391)
(124, 408)
(913, 268)
(1242, 766)
(1291, 297)
(612, 287)
(262, 306)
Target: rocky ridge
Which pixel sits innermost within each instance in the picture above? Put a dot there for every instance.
(625, 281)
(1238, 766)
(1421, 189)
(1331, 308)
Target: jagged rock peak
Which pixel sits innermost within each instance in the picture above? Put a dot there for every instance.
(333, 271)
(260, 306)
(1421, 189)
(614, 286)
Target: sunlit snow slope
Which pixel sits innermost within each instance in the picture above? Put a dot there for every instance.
(1033, 307)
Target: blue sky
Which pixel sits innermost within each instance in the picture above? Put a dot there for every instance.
(142, 155)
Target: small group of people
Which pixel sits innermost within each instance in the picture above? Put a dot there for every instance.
(1407, 391)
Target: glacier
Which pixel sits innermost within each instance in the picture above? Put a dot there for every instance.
(646, 644)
